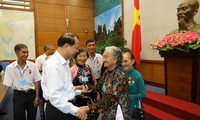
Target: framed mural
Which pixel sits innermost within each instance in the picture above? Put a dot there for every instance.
(108, 23)
(16, 27)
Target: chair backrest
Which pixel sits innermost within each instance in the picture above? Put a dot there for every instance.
(5, 64)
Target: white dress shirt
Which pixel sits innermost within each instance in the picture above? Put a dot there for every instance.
(57, 84)
(96, 64)
(39, 61)
(14, 75)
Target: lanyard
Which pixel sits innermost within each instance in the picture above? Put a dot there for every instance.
(21, 72)
(82, 70)
(104, 85)
(93, 61)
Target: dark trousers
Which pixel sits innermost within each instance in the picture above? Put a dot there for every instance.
(24, 101)
(41, 105)
(52, 113)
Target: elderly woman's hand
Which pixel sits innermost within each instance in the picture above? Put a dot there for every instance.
(84, 89)
(79, 87)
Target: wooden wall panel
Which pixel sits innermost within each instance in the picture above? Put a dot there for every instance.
(48, 37)
(32, 5)
(80, 13)
(80, 3)
(198, 86)
(51, 20)
(50, 10)
(153, 72)
(146, 70)
(51, 25)
(158, 73)
(84, 37)
(40, 49)
(83, 3)
(53, 1)
(78, 26)
(175, 85)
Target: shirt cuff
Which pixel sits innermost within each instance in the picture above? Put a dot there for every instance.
(77, 92)
(74, 109)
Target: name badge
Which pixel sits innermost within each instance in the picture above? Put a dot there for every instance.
(94, 71)
(22, 82)
(85, 79)
(104, 88)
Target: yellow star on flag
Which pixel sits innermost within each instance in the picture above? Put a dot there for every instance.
(136, 19)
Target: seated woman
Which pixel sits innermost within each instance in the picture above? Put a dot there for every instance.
(82, 74)
(137, 88)
(113, 86)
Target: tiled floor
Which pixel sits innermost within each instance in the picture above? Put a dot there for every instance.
(8, 102)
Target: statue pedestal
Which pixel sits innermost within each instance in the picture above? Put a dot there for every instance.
(182, 74)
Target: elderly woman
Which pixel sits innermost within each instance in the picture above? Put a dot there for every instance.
(137, 88)
(82, 74)
(113, 86)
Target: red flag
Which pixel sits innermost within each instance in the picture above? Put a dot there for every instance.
(136, 33)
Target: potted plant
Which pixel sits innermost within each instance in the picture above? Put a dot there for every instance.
(181, 43)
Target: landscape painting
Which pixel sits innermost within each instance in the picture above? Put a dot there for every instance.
(108, 23)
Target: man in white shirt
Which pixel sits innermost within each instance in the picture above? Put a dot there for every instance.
(48, 51)
(57, 85)
(95, 60)
(23, 76)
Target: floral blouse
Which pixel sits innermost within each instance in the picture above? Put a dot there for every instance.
(113, 87)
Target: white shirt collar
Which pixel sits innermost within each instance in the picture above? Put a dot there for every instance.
(61, 59)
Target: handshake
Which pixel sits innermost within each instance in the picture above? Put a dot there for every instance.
(85, 88)
(82, 112)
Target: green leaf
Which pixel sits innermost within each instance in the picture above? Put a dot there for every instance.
(194, 46)
(180, 49)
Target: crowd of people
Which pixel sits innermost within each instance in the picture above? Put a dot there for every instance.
(75, 83)
(82, 91)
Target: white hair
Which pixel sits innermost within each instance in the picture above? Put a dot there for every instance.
(116, 53)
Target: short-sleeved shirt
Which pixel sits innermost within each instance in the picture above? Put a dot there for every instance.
(96, 64)
(40, 60)
(21, 79)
